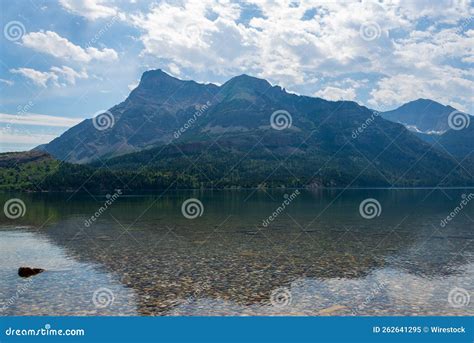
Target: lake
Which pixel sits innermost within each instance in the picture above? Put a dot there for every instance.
(252, 252)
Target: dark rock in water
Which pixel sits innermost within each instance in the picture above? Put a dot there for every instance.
(27, 272)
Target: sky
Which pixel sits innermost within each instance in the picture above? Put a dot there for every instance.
(65, 60)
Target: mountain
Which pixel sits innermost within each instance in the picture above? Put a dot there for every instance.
(146, 118)
(422, 115)
(459, 143)
(245, 133)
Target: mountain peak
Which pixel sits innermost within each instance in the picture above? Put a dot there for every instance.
(157, 88)
(245, 77)
(422, 104)
(155, 81)
(247, 82)
(422, 115)
(156, 74)
(424, 101)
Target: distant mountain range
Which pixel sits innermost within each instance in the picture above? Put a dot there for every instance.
(248, 133)
(430, 121)
(422, 115)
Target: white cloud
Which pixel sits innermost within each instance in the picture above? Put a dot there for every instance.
(7, 82)
(50, 42)
(185, 36)
(445, 11)
(278, 45)
(69, 74)
(423, 49)
(134, 85)
(38, 120)
(421, 65)
(57, 76)
(174, 69)
(38, 77)
(397, 89)
(334, 93)
(90, 9)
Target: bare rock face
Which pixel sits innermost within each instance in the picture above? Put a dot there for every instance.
(27, 272)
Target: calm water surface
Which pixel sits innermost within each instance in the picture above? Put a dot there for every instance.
(317, 257)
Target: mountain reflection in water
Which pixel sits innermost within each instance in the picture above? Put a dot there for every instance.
(318, 257)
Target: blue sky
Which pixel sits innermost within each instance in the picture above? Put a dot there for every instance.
(65, 60)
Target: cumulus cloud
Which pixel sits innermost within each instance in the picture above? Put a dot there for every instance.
(421, 65)
(69, 74)
(188, 38)
(413, 48)
(38, 77)
(56, 76)
(453, 90)
(51, 43)
(334, 93)
(90, 9)
(278, 43)
(295, 43)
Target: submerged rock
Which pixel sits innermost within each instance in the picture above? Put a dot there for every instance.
(27, 272)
